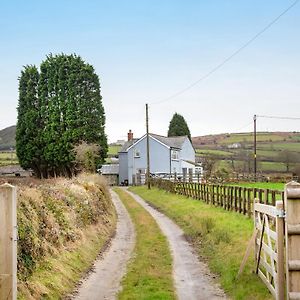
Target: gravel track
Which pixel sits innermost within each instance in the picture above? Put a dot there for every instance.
(192, 277)
(108, 270)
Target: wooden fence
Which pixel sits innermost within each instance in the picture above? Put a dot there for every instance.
(277, 227)
(234, 198)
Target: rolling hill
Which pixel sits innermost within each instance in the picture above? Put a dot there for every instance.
(277, 152)
(8, 138)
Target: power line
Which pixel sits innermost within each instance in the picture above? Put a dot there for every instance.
(220, 65)
(278, 117)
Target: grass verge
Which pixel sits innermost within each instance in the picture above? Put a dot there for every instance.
(62, 226)
(59, 275)
(219, 236)
(149, 274)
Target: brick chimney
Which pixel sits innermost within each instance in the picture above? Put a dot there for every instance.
(130, 135)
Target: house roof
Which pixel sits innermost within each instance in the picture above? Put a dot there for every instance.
(127, 145)
(193, 163)
(172, 142)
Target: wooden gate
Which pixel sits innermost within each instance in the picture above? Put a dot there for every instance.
(8, 242)
(276, 227)
(269, 246)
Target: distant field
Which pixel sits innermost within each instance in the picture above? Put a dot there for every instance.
(248, 137)
(263, 166)
(280, 146)
(272, 166)
(268, 153)
(8, 158)
(269, 148)
(213, 152)
(113, 149)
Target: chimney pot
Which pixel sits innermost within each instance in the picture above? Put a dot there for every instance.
(130, 135)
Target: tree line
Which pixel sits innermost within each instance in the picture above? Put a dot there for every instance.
(60, 107)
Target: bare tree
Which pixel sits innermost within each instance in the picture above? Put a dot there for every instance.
(208, 164)
(288, 158)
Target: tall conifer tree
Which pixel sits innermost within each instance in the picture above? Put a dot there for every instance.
(178, 126)
(28, 125)
(70, 110)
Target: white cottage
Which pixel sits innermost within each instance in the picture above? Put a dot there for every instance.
(167, 155)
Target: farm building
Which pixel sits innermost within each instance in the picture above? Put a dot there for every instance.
(111, 173)
(167, 155)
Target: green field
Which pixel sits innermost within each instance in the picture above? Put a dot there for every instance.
(248, 137)
(269, 150)
(8, 158)
(219, 237)
(267, 166)
(214, 152)
(263, 185)
(280, 146)
(113, 149)
(267, 153)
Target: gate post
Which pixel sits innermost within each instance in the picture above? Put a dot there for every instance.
(292, 229)
(8, 242)
(280, 280)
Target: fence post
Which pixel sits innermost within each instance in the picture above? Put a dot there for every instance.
(8, 242)
(280, 252)
(292, 229)
(249, 202)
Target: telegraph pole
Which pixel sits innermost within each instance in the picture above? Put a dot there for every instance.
(148, 150)
(255, 164)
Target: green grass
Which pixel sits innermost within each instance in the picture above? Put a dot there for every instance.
(221, 237)
(264, 166)
(213, 152)
(8, 158)
(248, 137)
(113, 149)
(267, 153)
(263, 185)
(267, 166)
(280, 146)
(149, 275)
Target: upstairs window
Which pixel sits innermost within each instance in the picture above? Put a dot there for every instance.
(137, 153)
(174, 154)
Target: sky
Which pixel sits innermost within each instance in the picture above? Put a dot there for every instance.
(145, 51)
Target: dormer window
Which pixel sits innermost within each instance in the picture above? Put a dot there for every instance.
(137, 153)
(175, 155)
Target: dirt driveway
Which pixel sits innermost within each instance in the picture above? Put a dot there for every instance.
(104, 282)
(192, 278)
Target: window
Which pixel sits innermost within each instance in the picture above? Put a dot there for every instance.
(137, 153)
(175, 155)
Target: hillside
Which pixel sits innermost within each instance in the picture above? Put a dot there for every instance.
(276, 151)
(8, 138)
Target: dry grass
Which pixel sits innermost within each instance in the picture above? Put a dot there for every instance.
(62, 224)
